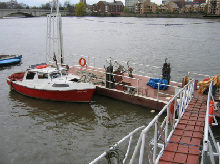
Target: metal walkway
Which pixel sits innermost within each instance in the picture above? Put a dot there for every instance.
(183, 137)
(186, 141)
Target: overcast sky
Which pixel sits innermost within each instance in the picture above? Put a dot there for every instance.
(90, 2)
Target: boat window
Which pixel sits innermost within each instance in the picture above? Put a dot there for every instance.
(30, 75)
(42, 76)
(60, 85)
(64, 72)
(55, 75)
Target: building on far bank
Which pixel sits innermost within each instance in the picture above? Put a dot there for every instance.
(84, 1)
(213, 7)
(103, 7)
(145, 7)
(131, 4)
(198, 1)
(218, 7)
(180, 3)
(172, 6)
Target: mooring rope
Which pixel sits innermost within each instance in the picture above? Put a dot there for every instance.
(114, 153)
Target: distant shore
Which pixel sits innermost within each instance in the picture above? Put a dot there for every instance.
(158, 15)
(146, 15)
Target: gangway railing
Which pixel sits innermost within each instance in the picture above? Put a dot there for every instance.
(211, 148)
(155, 136)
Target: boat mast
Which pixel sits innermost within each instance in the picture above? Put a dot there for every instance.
(54, 42)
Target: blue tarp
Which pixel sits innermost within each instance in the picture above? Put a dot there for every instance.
(153, 83)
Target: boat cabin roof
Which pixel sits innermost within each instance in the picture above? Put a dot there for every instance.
(48, 70)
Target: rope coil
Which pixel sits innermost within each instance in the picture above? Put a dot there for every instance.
(114, 153)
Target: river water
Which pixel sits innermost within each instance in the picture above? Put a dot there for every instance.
(36, 131)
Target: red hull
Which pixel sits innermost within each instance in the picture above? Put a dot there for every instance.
(71, 95)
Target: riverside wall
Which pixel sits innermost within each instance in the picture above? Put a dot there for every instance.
(165, 15)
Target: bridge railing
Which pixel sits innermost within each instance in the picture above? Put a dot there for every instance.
(211, 148)
(155, 136)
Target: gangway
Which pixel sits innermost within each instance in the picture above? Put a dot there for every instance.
(156, 141)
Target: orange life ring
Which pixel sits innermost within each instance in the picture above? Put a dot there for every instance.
(84, 61)
(211, 112)
(42, 66)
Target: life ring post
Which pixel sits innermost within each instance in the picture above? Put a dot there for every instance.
(211, 112)
(82, 61)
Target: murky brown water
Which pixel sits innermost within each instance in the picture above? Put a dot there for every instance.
(36, 131)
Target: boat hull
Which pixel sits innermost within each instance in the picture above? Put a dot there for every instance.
(84, 95)
(9, 59)
(9, 62)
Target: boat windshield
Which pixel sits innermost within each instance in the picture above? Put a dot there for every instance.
(64, 72)
(55, 75)
(30, 75)
(42, 76)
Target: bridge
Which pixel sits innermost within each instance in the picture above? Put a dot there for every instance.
(34, 12)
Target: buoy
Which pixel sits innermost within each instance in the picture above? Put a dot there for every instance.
(84, 61)
(42, 66)
(211, 112)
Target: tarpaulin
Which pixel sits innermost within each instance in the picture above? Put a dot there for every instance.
(154, 83)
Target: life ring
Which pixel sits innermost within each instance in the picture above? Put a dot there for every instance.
(171, 107)
(206, 79)
(84, 61)
(211, 112)
(42, 66)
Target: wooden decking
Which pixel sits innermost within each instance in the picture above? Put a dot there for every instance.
(186, 141)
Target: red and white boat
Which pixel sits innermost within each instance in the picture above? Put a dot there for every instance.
(52, 81)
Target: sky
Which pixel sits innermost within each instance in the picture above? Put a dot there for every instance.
(90, 2)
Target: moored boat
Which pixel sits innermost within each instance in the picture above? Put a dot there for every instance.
(10, 59)
(50, 83)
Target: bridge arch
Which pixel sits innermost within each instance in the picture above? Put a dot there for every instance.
(33, 12)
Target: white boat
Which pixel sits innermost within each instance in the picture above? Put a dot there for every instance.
(51, 81)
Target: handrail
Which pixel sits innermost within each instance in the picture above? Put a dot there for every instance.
(162, 132)
(207, 147)
(149, 70)
(128, 77)
(129, 136)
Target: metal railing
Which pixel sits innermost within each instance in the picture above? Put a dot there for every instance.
(211, 148)
(135, 88)
(132, 89)
(99, 62)
(159, 132)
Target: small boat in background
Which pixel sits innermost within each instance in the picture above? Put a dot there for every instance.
(9, 59)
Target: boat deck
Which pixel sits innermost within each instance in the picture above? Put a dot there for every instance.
(186, 141)
(145, 95)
